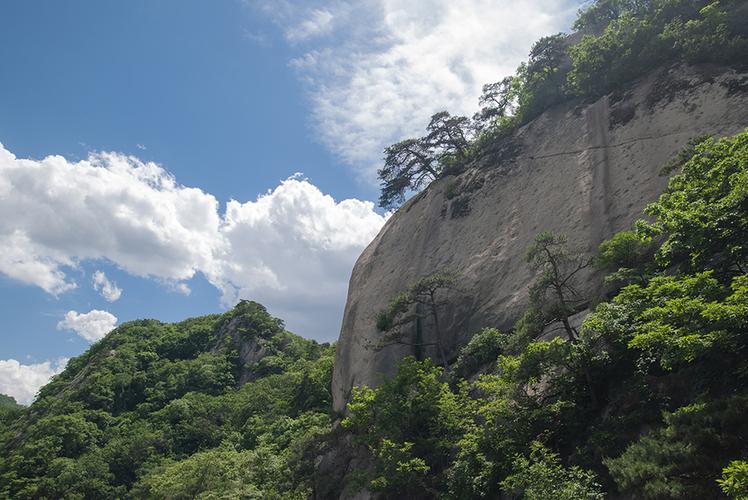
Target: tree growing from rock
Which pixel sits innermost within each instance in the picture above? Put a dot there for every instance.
(421, 300)
(446, 135)
(498, 100)
(541, 80)
(411, 164)
(554, 295)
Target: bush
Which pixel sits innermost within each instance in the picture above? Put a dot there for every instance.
(734, 482)
(483, 348)
(542, 477)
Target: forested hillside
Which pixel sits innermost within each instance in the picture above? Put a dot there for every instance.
(647, 399)
(157, 410)
(638, 391)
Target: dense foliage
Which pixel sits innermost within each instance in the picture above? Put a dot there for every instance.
(159, 410)
(648, 399)
(9, 409)
(614, 42)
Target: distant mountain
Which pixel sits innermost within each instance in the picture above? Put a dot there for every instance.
(227, 404)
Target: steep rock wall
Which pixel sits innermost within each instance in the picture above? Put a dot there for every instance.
(586, 170)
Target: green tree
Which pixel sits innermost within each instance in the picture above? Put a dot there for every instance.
(599, 14)
(408, 166)
(629, 255)
(708, 36)
(484, 348)
(555, 295)
(555, 292)
(703, 214)
(149, 410)
(212, 474)
(498, 100)
(734, 481)
(542, 477)
(411, 424)
(9, 409)
(411, 164)
(422, 300)
(683, 458)
(542, 78)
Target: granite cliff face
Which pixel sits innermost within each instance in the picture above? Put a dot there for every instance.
(582, 169)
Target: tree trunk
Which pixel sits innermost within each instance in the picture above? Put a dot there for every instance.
(590, 387)
(419, 334)
(437, 330)
(567, 326)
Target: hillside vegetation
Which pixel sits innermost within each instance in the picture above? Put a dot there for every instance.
(647, 399)
(156, 410)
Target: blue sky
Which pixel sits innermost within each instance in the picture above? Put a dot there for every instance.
(129, 127)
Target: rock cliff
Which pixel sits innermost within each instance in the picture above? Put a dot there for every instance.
(582, 169)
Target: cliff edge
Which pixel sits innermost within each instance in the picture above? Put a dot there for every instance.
(583, 169)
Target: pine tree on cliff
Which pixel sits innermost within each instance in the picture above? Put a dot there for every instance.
(411, 164)
(555, 294)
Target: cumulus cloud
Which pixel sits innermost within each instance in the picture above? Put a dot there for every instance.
(24, 260)
(388, 65)
(182, 288)
(109, 206)
(375, 69)
(92, 326)
(24, 381)
(107, 289)
(292, 248)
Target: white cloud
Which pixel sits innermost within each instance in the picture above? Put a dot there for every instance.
(92, 326)
(24, 381)
(109, 206)
(389, 65)
(182, 288)
(107, 289)
(318, 23)
(23, 259)
(376, 70)
(291, 249)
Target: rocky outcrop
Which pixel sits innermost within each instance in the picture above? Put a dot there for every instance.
(583, 169)
(250, 348)
(254, 335)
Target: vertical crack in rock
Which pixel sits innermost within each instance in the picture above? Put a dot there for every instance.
(576, 176)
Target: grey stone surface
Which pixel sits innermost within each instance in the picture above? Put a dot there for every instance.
(586, 170)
